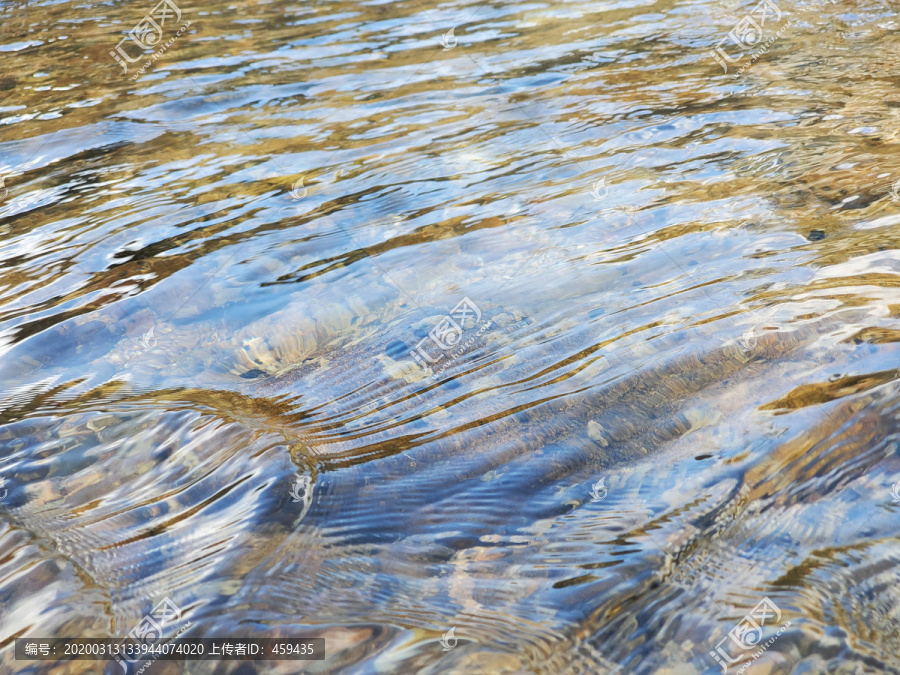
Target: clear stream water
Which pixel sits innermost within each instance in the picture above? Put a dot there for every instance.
(669, 390)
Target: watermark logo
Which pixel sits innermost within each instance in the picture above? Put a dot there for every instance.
(151, 628)
(448, 638)
(298, 192)
(3, 488)
(448, 332)
(748, 33)
(147, 34)
(596, 189)
(148, 340)
(448, 40)
(300, 489)
(895, 191)
(747, 634)
(748, 340)
(598, 490)
(895, 492)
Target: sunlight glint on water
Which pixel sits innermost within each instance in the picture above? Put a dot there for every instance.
(551, 338)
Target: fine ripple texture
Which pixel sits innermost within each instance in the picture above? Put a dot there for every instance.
(672, 394)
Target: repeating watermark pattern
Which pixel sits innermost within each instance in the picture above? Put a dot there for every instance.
(159, 52)
(150, 628)
(145, 344)
(448, 332)
(748, 339)
(748, 34)
(148, 341)
(300, 490)
(599, 191)
(448, 40)
(302, 493)
(147, 34)
(599, 490)
(462, 349)
(298, 192)
(449, 640)
(895, 492)
(747, 634)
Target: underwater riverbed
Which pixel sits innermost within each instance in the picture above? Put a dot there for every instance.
(470, 337)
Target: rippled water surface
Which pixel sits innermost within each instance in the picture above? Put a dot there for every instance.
(322, 320)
